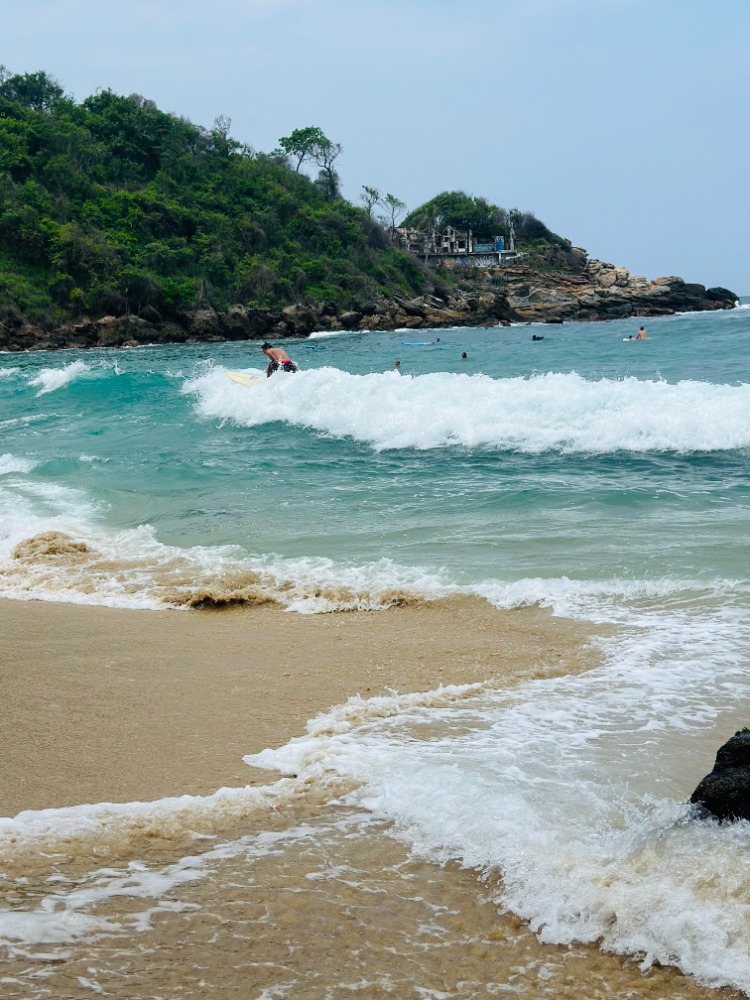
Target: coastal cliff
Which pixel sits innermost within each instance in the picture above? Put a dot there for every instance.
(123, 225)
(512, 294)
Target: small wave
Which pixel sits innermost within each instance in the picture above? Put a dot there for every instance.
(51, 379)
(10, 463)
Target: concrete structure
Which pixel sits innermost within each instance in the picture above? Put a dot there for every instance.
(460, 247)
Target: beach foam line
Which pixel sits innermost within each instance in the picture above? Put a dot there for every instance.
(112, 824)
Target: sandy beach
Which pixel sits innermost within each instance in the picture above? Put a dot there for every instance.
(101, 704)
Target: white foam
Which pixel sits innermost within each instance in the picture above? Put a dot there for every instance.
(7, 372)
(329, 334)
(572, 790)
(43, 830)
(11, 463)
(551, 412)
(69, 913)
(51, 379)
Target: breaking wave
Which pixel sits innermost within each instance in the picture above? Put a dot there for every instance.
(552, 412)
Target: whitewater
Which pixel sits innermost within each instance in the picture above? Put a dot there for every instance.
(603, 480)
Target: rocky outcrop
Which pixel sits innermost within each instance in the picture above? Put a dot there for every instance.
(725, 792)
(602, 291)
(245, 323)
(592, 290)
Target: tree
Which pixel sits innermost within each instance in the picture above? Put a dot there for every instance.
(370, 197)
(36, 90)
(302, 143)
(328, 183)
(311, 143)
(395, 209)
(463, 211)
(325, 153)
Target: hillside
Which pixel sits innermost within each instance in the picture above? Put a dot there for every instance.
(120, 223)
(112, 206)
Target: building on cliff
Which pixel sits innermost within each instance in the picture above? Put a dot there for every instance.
(459, 247)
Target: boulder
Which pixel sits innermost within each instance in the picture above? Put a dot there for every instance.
(719, 294)
(725, 792)
(203, 323)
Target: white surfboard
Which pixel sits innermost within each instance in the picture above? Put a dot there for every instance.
(243, 379)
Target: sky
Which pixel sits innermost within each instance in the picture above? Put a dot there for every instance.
(624, 125)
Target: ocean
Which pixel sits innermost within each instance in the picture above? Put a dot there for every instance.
(524, 840)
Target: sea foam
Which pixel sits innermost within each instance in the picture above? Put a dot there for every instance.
(552, 412)
(50, 379)
(547, 791)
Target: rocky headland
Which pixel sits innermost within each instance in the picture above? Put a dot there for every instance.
(514, 293)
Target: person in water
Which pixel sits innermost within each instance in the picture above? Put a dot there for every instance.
(641, 335)
(278, 359)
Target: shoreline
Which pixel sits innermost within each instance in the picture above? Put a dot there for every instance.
(112, 705)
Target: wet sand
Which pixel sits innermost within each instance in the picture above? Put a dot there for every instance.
(107, 705)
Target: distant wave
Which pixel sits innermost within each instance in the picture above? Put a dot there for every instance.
(551, 412)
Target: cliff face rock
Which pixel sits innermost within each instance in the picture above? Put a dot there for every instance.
(725, 792)
(603, 291)
(245, 323)
(512, 293)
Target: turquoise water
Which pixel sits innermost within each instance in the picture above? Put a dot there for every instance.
(607, 481)
(578, 457)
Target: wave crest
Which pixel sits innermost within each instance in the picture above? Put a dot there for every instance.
(551, 412)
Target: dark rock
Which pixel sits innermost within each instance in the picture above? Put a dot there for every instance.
(204, 324)
(720, 294)
(725, 792)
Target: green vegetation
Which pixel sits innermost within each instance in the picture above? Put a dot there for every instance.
(111, 206)
(545, 249)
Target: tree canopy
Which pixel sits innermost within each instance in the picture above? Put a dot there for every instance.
(113, 206)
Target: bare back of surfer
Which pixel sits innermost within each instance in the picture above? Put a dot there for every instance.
(641, 335)
(278, 359)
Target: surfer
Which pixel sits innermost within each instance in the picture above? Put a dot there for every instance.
(641, 335)
(277, 359)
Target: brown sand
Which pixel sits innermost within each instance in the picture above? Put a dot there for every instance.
(112, 705)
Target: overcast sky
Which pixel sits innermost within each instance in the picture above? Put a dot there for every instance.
(622, 124)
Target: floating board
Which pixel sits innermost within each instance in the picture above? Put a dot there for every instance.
(243, 379)
(314, 347)
(423, 343)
